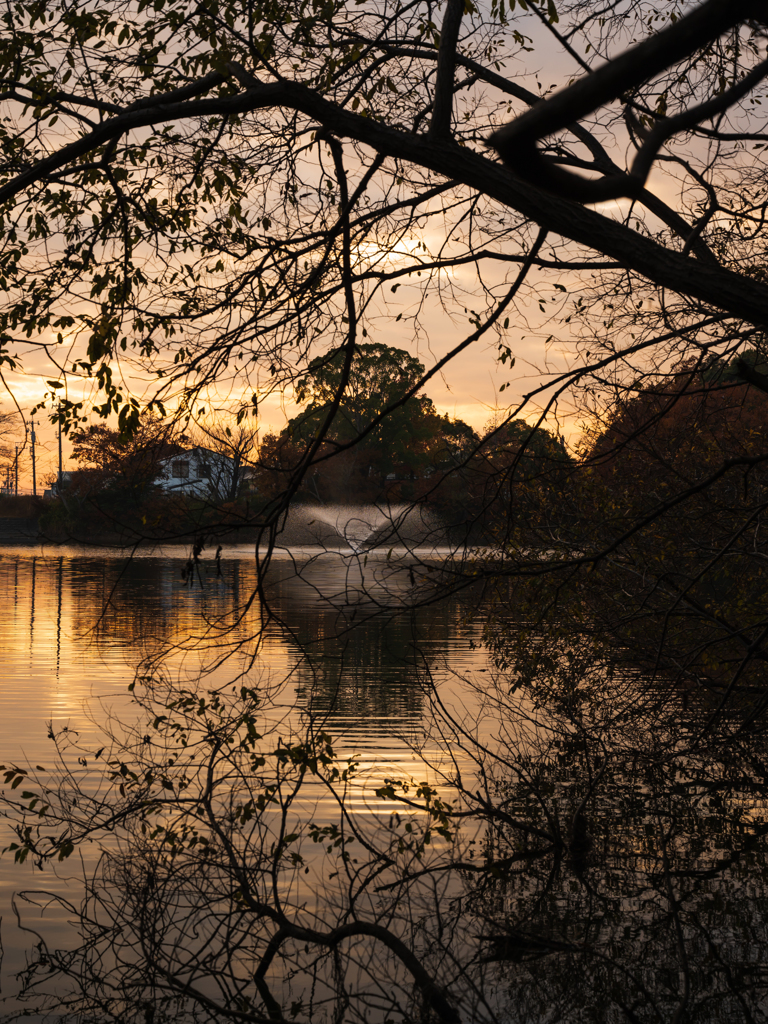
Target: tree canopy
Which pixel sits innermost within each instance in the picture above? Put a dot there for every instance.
(239, 199)
(216, 192)
(377, 407)
(137, 454)
(377, 415)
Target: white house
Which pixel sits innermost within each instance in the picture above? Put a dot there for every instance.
(202, 473)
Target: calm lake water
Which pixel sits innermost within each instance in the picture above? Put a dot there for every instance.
(76, 625)
(654, 905)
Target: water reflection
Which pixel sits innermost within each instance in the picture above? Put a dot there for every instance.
(80, 620)
(603, 857)
(361, 668)
(76, 626)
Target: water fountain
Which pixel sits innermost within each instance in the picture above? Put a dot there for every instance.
(360, 527)
(355, 557)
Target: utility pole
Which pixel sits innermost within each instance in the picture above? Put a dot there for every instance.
(34, 473)
(16, 472)
(61, 474)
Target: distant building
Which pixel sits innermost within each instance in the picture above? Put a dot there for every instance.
(197, 472)
(203, 473)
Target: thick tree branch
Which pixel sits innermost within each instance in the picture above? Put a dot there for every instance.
(446, 67)
(666, 127)
(739, 296)
(516, 142)
(602, 161)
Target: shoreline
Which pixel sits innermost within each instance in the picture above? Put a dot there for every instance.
(20, 532)
(25, 532)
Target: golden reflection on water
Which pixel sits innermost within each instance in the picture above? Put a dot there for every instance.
(76, 625)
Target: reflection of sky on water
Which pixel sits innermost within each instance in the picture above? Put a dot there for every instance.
(75, 625)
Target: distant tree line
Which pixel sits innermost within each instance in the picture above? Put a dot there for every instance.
(387, 445)
(517, 483)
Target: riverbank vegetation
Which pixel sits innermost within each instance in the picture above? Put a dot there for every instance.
(243, 204)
